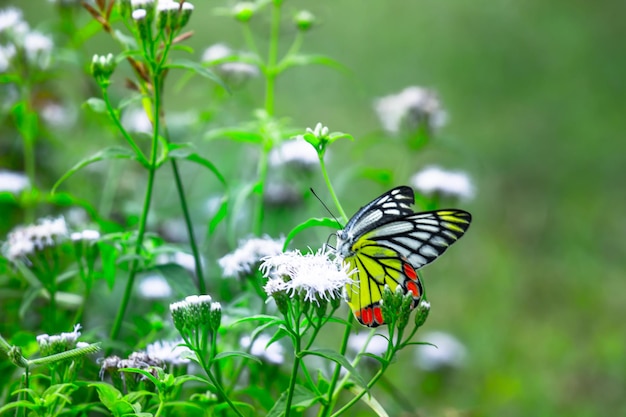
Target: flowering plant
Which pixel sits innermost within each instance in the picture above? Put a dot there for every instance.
(267, 347)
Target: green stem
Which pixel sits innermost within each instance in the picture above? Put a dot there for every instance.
(357, 397)
(272, 56)
(220, 391)
(259, 212)
(146, 206)
(294, 375)
(333, 382)
(188, 225)
(330, 187)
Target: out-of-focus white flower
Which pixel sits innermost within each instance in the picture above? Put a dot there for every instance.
(275, 353)
(235, 72)
(170, 352)
(38, 48)
(448, 353)
(315, 275)
(281, 194)
(87, 234)
(186, 260)
(412, 106)
(377, 344)
(244, 259)
(434, 180)
(58, 115)
(24, 240)
(154, 287)
(6, 54)
(139, 14)
(49, 345)
(295, 152)
(9, 18)
(13, 182)
(136, 120)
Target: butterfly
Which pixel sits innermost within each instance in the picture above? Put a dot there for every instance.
(387, 242)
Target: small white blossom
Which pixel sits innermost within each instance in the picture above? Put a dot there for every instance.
(377, 344)
(235, 71)
(58, 343)
(295, 152)
(413, 105)
(6, 55)
(244, 259)
(186, 260)
(448, 352)
(316, 275)
(58, 115)
(10, 18)
(275, 353)
(24, 240)
(38, 48)
(169, 352)
(13, 182)
(154, 287)
(319, 131)
(139, 14)
(134, 119)
(434, 180)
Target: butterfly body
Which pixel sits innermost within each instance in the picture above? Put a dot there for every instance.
(386, 242)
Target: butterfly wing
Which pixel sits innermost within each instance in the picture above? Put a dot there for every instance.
(390, 253)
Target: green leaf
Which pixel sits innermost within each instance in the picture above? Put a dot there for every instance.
(338, 358)
(113, 152)
(234, 134)
(108, 395)
(220, 215)
(263, 318)
(224, 355)
(302, 397)
(334, 136)
(186, 151)
(197, 68)
(370, 401)
(97, 105)
(312, 222)
(303, 60)
(108, 255)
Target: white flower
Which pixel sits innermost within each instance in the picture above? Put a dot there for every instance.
(13, 182)
(58, 115)
(6, 54)
(235, 71)
(377, 344)
(281, 194)
(135, 120)
(139, 14)
(274, 353)
(23, 241)
(448, 352)
(243, 260)
(319, 131)
(316, 275)
(154, 286)
(434, 180)
(38, 48)
(297, 152)
(169, 352)
(9, 18)
(86, 234)
(58, 343)
(413, 105)
(183, 259)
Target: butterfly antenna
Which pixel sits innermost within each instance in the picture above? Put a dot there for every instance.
(326, 207)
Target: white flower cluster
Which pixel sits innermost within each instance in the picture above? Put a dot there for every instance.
(317, 276)
(274, 353)
(294, 152)
(12, 182)
(244, 259)
(154, 287)
(434, 180)
(85, 235)
(24, 241)
(59, 342)
(234, 71)
(171, 352)
(411, 106)
(36, 46)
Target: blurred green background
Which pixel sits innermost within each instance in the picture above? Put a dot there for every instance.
(535, 91)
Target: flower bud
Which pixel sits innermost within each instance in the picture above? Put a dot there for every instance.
(422, 312)
(124, 8)
(304, 20)
(184, 15)
(215, 316)
(102, 66)
(244, 11)
(140, 16)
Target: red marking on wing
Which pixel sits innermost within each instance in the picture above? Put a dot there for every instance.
(366, 316)
(371, 316)
(378, 315)
(413, 288)
(410, 272)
